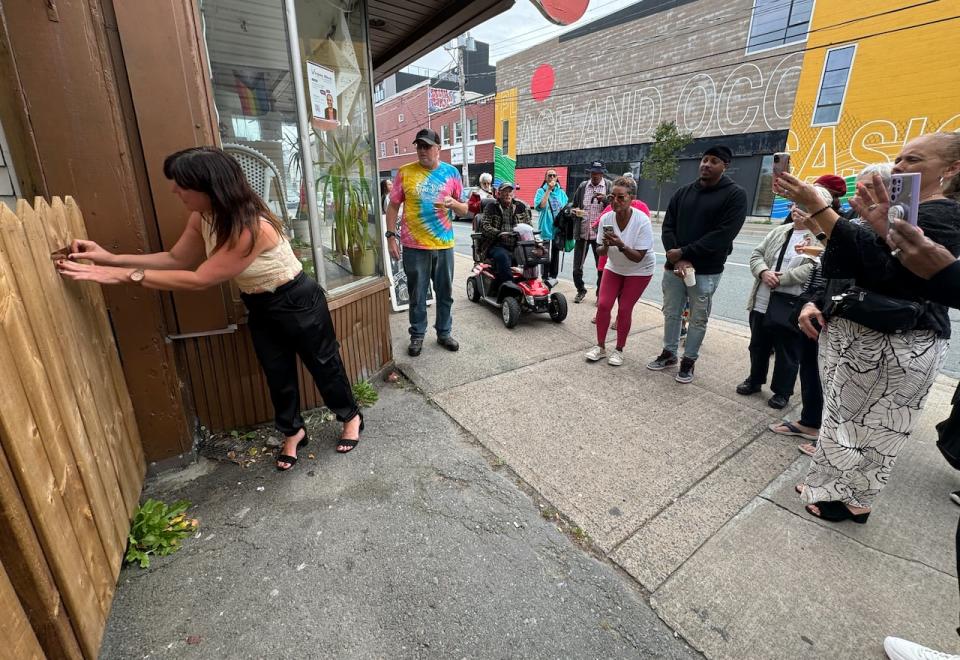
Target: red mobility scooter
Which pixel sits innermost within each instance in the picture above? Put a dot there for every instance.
(525, 293)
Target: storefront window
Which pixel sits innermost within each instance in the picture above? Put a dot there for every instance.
(296, 112)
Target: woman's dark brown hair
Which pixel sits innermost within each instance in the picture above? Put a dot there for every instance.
(235, 205)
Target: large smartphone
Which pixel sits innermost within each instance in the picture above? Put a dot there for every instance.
(781, 163)
(904, 197)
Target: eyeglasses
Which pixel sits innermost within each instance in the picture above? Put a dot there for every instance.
(551, 175)
(423, 145)
(621, 198)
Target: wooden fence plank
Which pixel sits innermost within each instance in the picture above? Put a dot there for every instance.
(16, 635)
(73, 400)
(47, 230)
(32, 368)
(27, 568)
(93, 295)
(27, 452)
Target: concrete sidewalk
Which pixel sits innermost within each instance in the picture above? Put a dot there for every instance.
(685, 489)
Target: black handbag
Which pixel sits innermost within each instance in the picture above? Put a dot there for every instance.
(783, 308)
(891, 316)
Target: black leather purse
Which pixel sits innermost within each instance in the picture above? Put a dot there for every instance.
(891, 316)
(783, 308)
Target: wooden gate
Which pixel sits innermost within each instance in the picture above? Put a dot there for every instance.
(71, 462)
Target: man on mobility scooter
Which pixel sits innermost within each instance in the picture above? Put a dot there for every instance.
(496, 247)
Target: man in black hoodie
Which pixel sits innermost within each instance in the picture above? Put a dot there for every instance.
(701, 222)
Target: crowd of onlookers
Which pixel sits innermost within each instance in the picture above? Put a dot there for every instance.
(852, 299)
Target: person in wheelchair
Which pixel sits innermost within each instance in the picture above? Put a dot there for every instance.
(497, 223)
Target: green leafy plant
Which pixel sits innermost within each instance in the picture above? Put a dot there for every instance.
(158, 530)
(662, 164)
(365, 393)
(346, 183)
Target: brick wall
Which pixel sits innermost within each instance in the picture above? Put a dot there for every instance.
(687, 64)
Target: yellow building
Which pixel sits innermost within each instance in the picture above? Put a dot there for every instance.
(875, 75)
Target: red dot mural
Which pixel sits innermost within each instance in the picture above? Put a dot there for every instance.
(541, 83)
(562, 12)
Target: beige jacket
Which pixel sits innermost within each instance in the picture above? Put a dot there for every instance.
(765, 256)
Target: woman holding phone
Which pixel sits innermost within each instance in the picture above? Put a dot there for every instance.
(232, 234)
(548, 201)
(884, 343)
(627, 242)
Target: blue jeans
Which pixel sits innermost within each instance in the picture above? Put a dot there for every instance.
(422, 267)
(675, 295)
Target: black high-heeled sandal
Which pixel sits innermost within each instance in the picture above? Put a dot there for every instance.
(833, 511)
(292, 460)
(350, 443)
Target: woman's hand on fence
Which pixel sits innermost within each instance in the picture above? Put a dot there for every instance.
(89, 273)
(809, 315)
(84, 249)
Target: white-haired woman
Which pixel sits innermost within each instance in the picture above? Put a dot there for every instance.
(884, 342)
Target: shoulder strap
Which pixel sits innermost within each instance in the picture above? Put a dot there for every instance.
(783, 250)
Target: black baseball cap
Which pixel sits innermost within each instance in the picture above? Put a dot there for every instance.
(597, 166)
(427, 136)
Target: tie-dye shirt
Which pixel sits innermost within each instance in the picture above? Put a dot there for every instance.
(426, 225)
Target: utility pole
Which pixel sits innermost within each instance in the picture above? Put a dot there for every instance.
(464, 43)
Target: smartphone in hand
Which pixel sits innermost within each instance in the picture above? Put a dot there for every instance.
(904, 197)
(781, 163)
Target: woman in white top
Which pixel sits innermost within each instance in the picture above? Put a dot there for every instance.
(627, 237)
(231, 234)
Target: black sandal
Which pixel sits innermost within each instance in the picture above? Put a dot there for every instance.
(833, 511)
(292, 460)
(350, 443)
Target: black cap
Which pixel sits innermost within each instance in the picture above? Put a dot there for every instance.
(597, 166)
(427, 136)
(721, 152)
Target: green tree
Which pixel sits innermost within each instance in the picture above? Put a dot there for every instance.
(662, 164)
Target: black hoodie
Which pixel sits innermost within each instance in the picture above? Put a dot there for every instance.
(703, 222)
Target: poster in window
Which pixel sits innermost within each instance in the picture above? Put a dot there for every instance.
(323, 96)
(399, 294)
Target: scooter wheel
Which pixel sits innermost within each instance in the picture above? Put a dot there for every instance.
(557, 307)
(510, 310)
(473, 289)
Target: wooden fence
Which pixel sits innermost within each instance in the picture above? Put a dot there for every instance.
(71, 462)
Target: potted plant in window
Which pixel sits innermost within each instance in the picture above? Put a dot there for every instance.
(346, 183)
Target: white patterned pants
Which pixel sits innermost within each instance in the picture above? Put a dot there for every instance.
(874, 388)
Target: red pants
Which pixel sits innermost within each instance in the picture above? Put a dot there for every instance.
(625, 290)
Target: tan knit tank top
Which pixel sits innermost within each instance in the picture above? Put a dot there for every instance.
(269, 270)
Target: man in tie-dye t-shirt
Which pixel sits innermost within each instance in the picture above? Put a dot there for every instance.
(430, 192)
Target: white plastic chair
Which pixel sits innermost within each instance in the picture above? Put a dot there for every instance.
(262, 174)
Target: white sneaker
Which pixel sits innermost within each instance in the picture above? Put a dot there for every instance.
(616, 358)
(595, 353)
(901, 649)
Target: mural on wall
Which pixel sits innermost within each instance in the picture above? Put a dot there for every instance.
(738, 99)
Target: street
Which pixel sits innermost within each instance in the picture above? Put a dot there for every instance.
(729, 303)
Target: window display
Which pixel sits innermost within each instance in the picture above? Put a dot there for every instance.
(292, 90)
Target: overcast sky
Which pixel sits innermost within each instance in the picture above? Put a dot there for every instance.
(518, 29)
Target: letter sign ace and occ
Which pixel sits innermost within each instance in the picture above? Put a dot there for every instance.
(562, 12)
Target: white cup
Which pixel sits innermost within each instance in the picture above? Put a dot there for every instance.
(690, 276)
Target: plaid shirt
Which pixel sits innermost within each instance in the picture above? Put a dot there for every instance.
(495, 219)
(588, 229)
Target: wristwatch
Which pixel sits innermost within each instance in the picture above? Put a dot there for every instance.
(390, 234)
(822, 236)
(137, 276)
